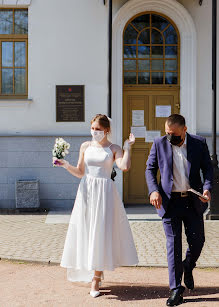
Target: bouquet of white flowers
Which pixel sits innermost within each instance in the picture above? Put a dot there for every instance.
(60, 150)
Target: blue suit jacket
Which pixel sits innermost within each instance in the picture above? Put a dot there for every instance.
(161, 156)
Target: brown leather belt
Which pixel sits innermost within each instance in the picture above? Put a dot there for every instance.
(179, 194)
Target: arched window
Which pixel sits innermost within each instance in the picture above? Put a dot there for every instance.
(151, 51)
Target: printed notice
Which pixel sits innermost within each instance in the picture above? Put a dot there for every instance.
(163, 111)
(139, 132)
(137, 118)
(151, 135)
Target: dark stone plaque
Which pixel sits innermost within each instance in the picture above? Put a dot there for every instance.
(70, 103)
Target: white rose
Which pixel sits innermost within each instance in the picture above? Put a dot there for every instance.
(63, 154)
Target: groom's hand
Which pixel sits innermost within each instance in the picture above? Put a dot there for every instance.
(207, 194)
(156, 199)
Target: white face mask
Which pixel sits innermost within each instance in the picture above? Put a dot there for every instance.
(97, 135)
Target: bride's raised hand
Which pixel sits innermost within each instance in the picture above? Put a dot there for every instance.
(129, 142)
(131, 139)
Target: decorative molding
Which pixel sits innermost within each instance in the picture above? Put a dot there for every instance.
(7, 103)
(180, 16)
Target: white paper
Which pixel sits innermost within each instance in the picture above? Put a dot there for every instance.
(139, 132)
(151, 135)
(137, 118)
(163, 111)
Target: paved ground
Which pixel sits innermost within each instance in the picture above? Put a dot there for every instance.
(32, 285)
(41, 238)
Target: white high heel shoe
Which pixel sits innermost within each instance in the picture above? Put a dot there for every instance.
(96, 293)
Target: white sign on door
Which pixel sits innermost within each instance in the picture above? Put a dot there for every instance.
(137, 118)
(139, 132)
(151, 135)
(163, 111)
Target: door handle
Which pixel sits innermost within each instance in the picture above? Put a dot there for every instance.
(177, 105)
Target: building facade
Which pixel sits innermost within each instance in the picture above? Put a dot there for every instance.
(161, 63)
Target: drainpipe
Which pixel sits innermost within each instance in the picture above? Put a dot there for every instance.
(110, 59)
(110, 18)
(110, 36)
(214, 83)
(214, 206)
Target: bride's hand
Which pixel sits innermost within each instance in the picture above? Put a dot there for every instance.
(60, 162)
(128, 143)
(131, 139)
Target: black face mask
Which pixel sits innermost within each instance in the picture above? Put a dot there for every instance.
(174, 139)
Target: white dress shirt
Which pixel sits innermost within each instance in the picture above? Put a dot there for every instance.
(180, 168)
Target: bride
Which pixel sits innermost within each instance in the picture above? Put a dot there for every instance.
(99, 236)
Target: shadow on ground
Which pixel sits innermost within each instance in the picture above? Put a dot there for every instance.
(124, 292)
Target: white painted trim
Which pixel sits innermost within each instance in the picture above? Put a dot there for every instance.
(15, 3)
(186, 27)
(7, 103)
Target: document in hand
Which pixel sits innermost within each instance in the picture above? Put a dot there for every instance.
(197, 193)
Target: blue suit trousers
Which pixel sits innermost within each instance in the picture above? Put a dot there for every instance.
(181, 211)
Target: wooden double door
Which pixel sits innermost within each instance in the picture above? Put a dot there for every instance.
(149, 101)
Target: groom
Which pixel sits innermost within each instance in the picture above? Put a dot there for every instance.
(180, 156)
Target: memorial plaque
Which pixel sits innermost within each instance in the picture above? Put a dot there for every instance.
(70, 103)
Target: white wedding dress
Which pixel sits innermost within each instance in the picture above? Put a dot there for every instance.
(99, 236)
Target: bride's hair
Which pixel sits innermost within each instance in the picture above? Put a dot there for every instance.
(103, 120)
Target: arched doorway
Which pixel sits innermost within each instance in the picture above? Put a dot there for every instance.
(188, 68)
(151, 90)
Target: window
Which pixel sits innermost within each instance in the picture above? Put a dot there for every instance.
(13, 50)
(151, 51)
